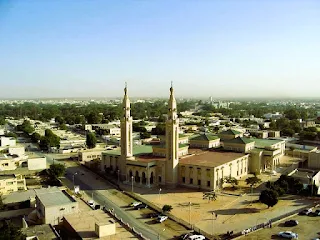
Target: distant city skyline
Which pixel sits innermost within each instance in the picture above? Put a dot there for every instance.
(223, 49)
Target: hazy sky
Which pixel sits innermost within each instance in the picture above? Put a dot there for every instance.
(219, 48)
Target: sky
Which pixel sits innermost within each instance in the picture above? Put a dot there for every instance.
(218, 48)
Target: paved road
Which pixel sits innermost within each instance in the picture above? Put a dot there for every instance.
(104, 201)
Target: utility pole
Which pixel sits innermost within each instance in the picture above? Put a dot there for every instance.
(132, 183)
(190, 213)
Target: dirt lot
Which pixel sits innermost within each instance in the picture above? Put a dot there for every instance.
(308, 228)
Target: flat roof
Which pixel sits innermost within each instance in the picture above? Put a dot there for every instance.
(43, 232)
(210, 158)
(20, 196)
(262, 143)
(53, 196)
(9, 176)
(137, 150)
(84, 223)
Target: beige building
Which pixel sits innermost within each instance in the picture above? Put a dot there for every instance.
(205, 141)
(7, 142)
(89, 155)
(148, 166)
(299, 151)
(90, 225)
(230, 134)
(314, 160)
(8, 162)
(12, 183)
(239, 144)
(207, 169)
(52, 205)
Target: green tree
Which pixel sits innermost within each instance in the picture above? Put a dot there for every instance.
(56, 170)
(91, 140)
(11, 134)
(166, 208)
(269, 197)
(9, 231)
(252, 181)
(94, 118)
(63, 126)
(231, 180)
(35, 137)
(210, 196)
(1, 203)
(2, 121)
(60, 120)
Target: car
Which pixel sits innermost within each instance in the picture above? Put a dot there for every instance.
(91, 203)
(291, 223)
(153, 215)
(140, 206)
(306, 211)
(316, 213)
(162, 218)
(134, 204)
(288, 234)
(196, 237)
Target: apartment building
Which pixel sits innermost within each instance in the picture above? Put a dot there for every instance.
(12, 183)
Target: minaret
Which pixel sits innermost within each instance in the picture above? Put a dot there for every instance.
(126, 135)
(172, 142)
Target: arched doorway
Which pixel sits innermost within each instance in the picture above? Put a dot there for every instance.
(151, 178)
(130, 173)
(137, 177)
(144, 179)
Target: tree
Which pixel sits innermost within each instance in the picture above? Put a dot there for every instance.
(56, 170)
(63, 126)
(11, 134)
(232, 180)
(1, 203)
(210, 196)
(91, 140)
(269, 197)
(10, 232)
(166, 208)
(2, 121)
(35, 137)
(252, 181)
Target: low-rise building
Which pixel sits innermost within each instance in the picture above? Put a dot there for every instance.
(314, 160)
(7, 142)
(205, 141)
(9, 162)
(37, 163)
(230, 134)
(239, 144)
(90, 225)
(299, 151)
(160, 150)
(307, 177)
(89, 155)
(17, 150)
(206, 169)
(52, 205)
(11, 183)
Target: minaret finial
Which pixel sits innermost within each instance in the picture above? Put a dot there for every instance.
(125, 88)
(171, 88)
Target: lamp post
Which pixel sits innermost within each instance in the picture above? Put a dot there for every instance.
(213, 214)
(132, 183)
(73, 178)
(159, 192)
(118, 171)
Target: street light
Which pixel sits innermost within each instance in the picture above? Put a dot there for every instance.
(159, 192)
(213, 214)
(73, 178)
(132, 183)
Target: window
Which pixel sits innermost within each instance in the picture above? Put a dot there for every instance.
(183, 179)
(191, 180)
(208, 183)
(159, 179)
(199, 182)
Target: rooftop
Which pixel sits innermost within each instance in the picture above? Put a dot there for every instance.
(231, 132)
(4, 177)
(21, 196)
(43, 232)
(137, 150)
(304, 174)
(262, 143)
(210, 158)
(164, 146)
(240, 140)
(53, 196)
(205, 137)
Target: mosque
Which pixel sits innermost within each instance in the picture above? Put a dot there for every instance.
(197, 165)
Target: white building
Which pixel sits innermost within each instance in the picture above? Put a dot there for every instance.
(7, 142)
(37, 163)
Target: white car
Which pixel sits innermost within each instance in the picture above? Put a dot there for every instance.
(134, 204)
(288, 234)
(196, 237)
(91, 203)
(162, 218)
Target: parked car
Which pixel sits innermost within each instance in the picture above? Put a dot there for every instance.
(306, 211)
(288, 234)
(316, 213)
(291, 223)
(196, 237)
(162, 218)
(140, 206)
(134, 204)
(153, 215)
(91, 203)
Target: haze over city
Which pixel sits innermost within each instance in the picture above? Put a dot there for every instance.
(207, 48)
